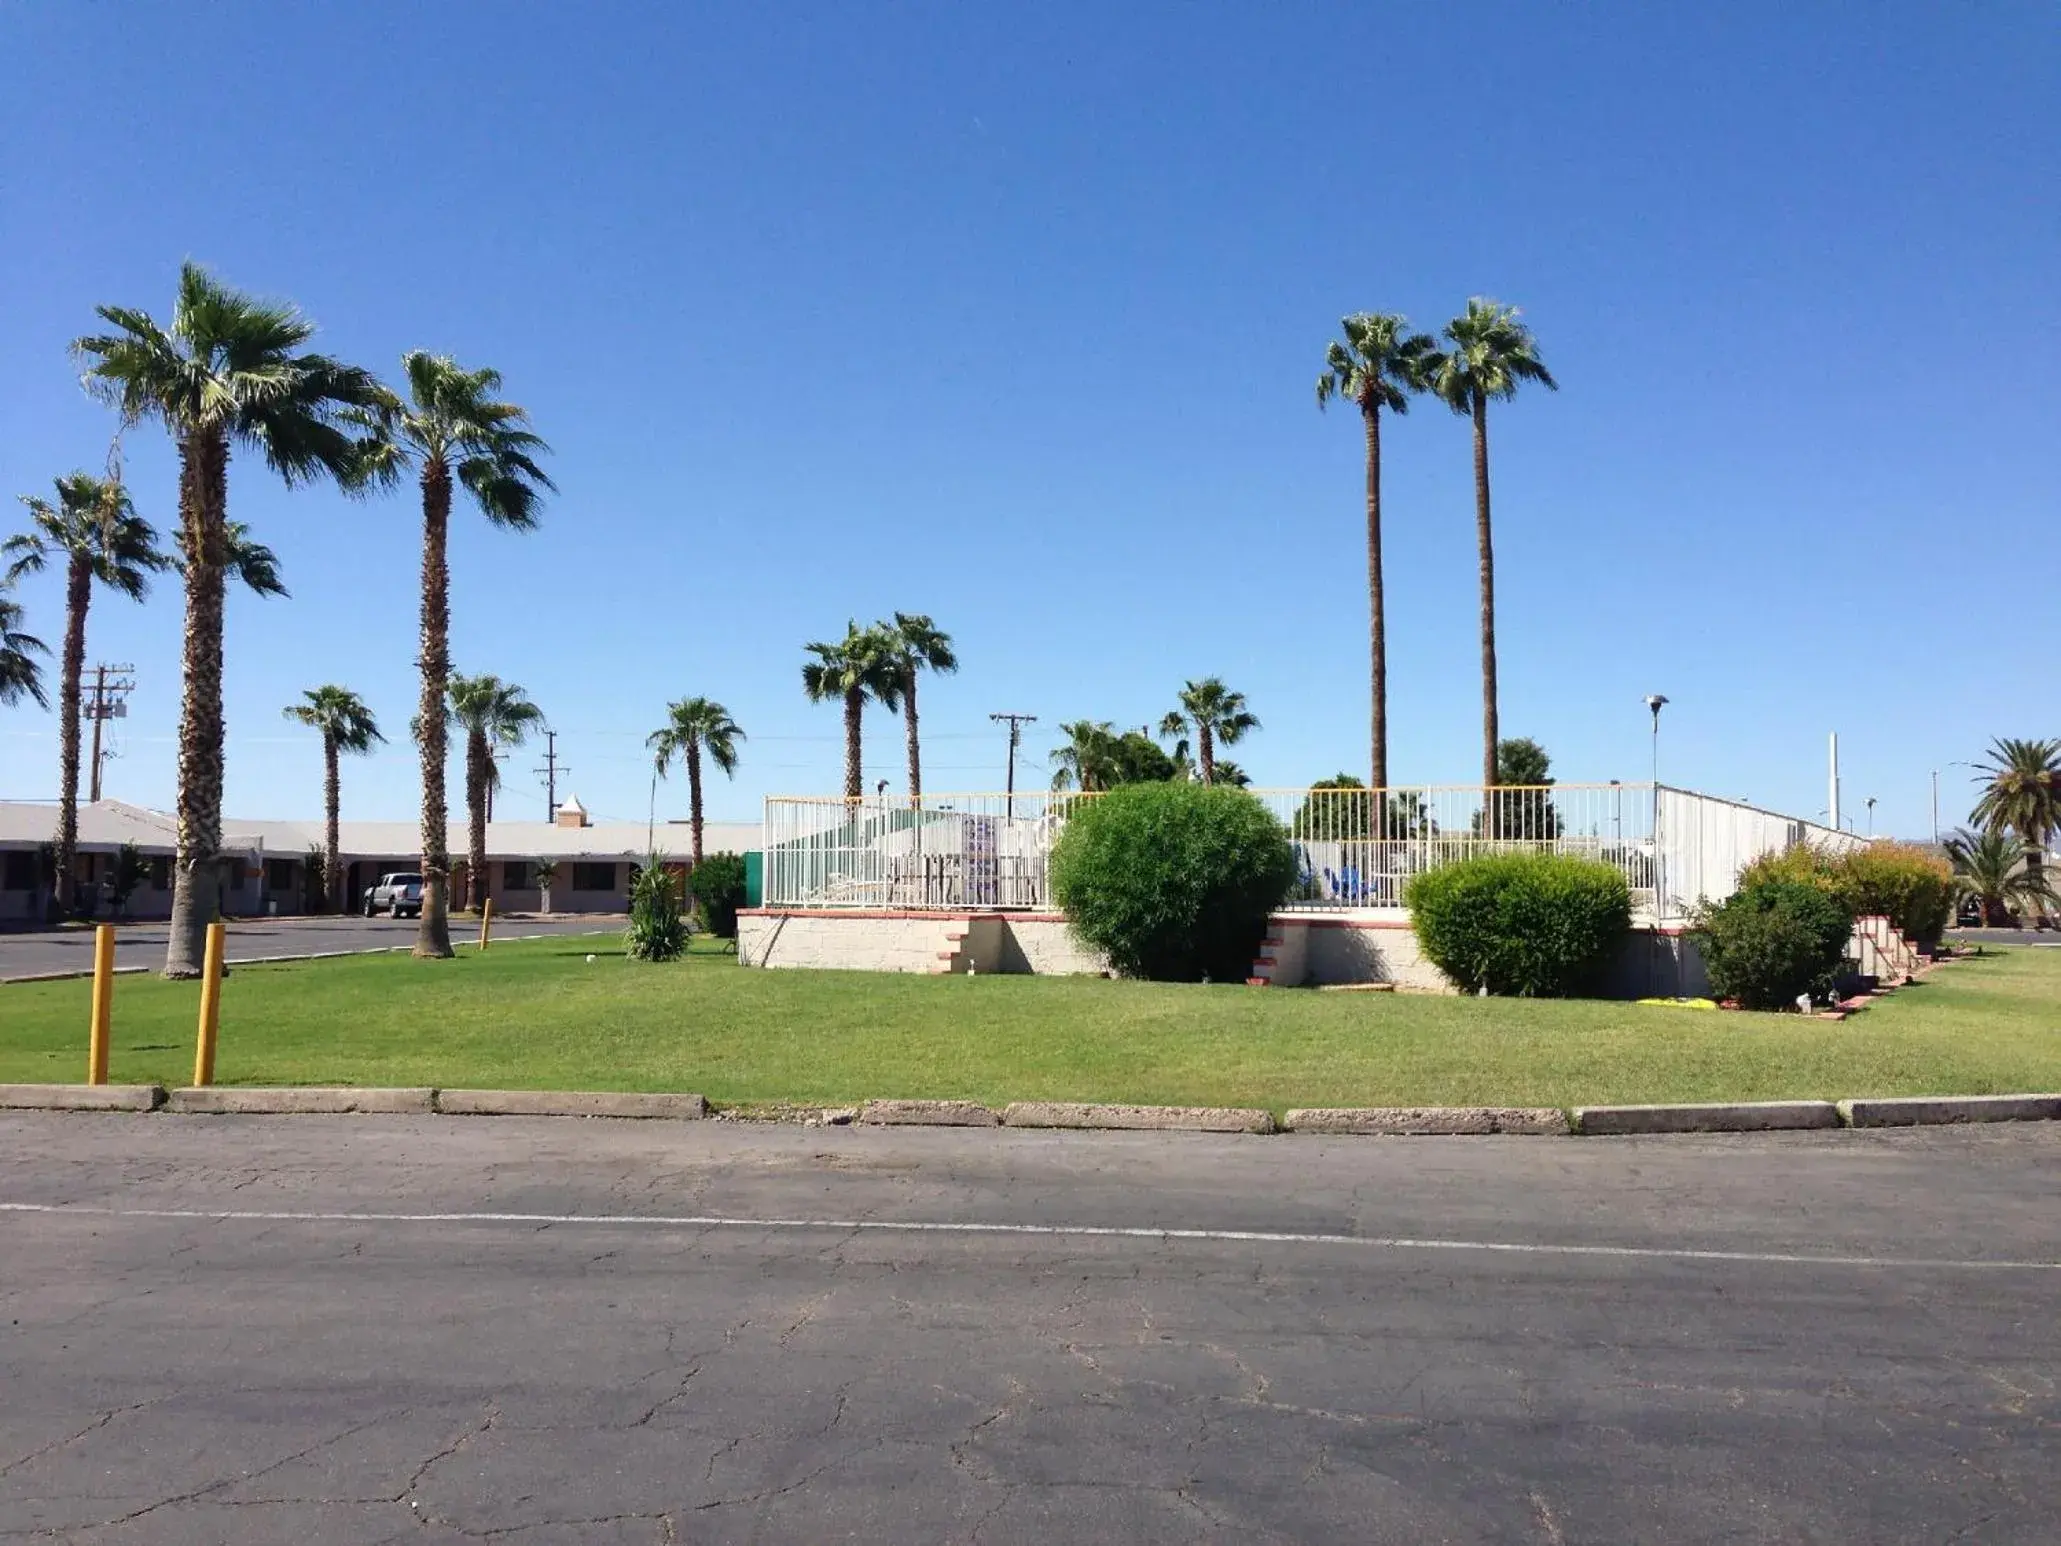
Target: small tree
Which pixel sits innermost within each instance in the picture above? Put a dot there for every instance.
(126, 876)
(657, 929)
(718, 886)
(547, 876)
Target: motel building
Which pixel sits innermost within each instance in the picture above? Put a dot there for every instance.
(272, 868)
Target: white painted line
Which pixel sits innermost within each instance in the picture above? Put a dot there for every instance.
(1064, 1231)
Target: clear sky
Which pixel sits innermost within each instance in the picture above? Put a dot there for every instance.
(1011, 315)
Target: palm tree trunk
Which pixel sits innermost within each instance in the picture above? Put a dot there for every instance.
(854, 776)
(694, 800)
(332, 811)
(196, 877)
(78, 595)
(479, 761)
(1377, 610)
(1489, 729)
(915, 749)
(1205, 750)
(433, 935)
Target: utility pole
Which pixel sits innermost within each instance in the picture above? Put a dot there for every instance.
(105, 697)
(1016, 723)
(549, 773)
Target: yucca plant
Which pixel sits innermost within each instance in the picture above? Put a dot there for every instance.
(658, 929)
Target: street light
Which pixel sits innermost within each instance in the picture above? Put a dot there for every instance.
(1656, 702)
(1871, 815)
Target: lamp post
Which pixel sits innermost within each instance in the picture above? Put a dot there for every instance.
(1871, 815)
(1656, 702)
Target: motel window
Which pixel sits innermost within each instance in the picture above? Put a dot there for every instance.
(593, 877)
(160, 873)
(19, 873)
(517, 875)
(279, 875)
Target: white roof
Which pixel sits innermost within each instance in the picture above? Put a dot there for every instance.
(110, 823)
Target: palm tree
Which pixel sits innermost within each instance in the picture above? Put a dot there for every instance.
(918, 646)
(1216, 714)
(1492, 354)
(94, 529)
(1087, 759)
(547, 877)
(2022, 792)
(346, 726)
(1994, 869)
(228, 372)
(695, 725)
(492, 713)
(862, 665)
(451, 429)
(20, 676)
(1380, 363)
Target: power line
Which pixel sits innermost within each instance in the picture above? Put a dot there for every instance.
(103, 699)
(1016, 723)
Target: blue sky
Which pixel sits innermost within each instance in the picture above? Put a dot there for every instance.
(1011, 315)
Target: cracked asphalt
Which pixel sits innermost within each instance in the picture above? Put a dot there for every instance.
(357, 1330)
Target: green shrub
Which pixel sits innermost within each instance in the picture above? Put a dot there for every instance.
(1173, 881)
(1912, 888)
(718, 886)
(657, 931)
(1533, 925)
(1772, 942)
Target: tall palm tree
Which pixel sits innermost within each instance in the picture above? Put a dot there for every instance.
(694, 726)
(230, 371)
(493, 714)
(93, 529)
(2022, 792)
(346, 726)
(451, 429)
(918, 646)
(1380, 363)
(859, 666)
(1215, 713)
(1994, 869)
(1492, 354)
(20, 676)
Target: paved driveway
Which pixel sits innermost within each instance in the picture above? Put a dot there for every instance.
(143, 944)
(331, 1330)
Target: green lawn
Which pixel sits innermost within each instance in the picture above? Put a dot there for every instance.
(538, 1015)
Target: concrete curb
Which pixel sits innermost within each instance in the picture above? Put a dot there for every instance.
(1942, 1110)
(1152, 1119)
(1428, 1121)
(1746, 1117)
(217, 1101)
(81, 1097)
(563, 1103)
(926, 1113)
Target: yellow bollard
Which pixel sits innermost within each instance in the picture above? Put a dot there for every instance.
(486, 922)
(210, 1008)
(103, 1003)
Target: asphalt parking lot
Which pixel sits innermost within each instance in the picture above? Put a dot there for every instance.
(329, 1330)
(37, 952)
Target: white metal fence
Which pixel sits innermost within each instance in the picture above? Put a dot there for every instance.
(1355, 848)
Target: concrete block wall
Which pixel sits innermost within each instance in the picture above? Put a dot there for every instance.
(1042, 943)
(851, 941)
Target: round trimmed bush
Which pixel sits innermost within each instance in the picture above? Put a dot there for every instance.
(1529, 925)
(1770, 943)
(1911, 887)
(1173, 881)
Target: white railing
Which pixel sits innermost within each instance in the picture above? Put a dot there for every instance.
(1354, 848)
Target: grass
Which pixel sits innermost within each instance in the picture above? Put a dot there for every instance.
(538, 1015)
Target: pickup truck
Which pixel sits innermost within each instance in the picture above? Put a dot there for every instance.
(399, 894)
